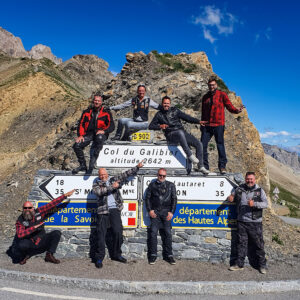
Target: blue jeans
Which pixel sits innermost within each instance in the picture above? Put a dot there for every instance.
(130, 125)
(218, 132)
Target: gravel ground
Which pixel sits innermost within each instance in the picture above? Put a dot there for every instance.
(140, 270)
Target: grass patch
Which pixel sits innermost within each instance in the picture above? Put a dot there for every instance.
(172, 64)
(292, 200)
(276, 239)
(222, 85)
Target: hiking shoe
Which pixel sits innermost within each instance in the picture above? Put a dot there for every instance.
(116, 138)
(99, 264)
(235, 268)
(171, 260)
(152, 260)
(223, 171)
(24, 260)
(120, 259)
(263, 270)
(80, 169)
(194, 159)
(203, 170)
(50, 258)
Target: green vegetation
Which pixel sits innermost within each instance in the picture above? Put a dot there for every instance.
(221, 85)
(276, 239)
(211, 146)
(178, 105)
(292, 201)
(172, 64)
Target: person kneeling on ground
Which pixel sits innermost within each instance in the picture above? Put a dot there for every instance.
(161, 201)
(31, 235)
(250, 201)
(169, 119)
(110, 205)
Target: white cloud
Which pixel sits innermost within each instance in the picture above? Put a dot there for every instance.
(213, 18)
(264, 34)
(269, 134)
(296, 136)
(208, 36)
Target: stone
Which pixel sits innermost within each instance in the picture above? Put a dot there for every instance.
(210, 240)
(195, 240)
(219, 233)
(136, 248)
(224, 242)
(190, 254)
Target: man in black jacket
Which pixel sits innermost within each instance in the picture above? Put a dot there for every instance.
(161, 203)
(169, 119)
(95, 124)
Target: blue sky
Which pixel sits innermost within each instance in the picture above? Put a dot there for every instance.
(253, 45)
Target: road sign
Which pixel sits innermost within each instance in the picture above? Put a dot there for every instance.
(200, 215)
(209, 188)
(60, 184)
(77, 214)
(155, 156)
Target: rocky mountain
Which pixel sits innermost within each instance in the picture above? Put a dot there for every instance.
(13, 46)
(88, 71)
(40, 103)
(40, 51)
(290, 159)
(183, 78)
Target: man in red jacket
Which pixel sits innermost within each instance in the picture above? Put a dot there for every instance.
(95, 124)
(213, 121)
(31, 234)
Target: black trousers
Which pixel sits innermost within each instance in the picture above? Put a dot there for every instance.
(250, 233)
(165, 228)
(111, 224)
(98, 142)
(218, 132)
(186, 140)
(49, 242)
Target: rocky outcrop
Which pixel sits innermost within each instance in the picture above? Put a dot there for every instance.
(290, 159)
(11, 45)
(183, 78)
(40, 51)
(88, 71)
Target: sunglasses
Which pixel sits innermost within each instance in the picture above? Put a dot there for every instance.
(27, 207)
(162, 175)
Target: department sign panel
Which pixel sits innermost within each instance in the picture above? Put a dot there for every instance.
(80, 214)
(155, 156)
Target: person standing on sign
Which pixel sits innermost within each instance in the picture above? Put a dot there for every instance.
(168, 119)
(161, 201)
(213, 121)
(250, 201)
(110, 204)
(140, 105)
(95, 124)
(30, 232)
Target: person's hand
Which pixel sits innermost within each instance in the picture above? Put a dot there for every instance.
(203, 123)
(38, 225)
(115, 184)
(140, 164)
(79, 139)
(152, 214)
(68, 194)
(251, 202)
(163, 126)
(241, 108)
(169, 216)
(100, 132)
(230, 198)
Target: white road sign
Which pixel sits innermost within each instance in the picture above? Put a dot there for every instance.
(198, 188)
(58, 185)
(155, 156)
